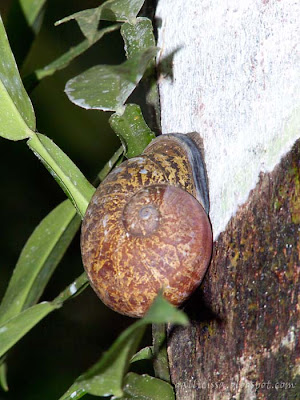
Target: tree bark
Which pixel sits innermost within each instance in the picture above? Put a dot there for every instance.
(243, 342)
(234, 78)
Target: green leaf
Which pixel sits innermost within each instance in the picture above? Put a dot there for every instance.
(106, 376)
(106, 87)
(72, 181)
(3, 378)
(121, 10)
(111, 10)
(12, 125)
(132, 129)
(14, 329)
(162, 312)
(37, 262)
(88, 21)
(38, 259)
(116, 157)
(23, 23)
(16, 113)
(32, 9)
(64, 60)
(138, 36)
(44, 248)
(147, 388)
(144, 354)
(73, 290)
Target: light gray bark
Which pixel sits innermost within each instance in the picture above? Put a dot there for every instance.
(235, 80)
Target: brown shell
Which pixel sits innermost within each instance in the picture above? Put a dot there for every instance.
(143, 231)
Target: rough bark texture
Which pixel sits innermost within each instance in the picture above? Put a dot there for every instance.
(244, 339)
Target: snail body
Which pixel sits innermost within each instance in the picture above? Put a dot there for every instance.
(147, 228)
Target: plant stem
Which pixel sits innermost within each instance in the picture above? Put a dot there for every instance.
(33, 79)
(73, 289)
(160, 359)
(111, 162)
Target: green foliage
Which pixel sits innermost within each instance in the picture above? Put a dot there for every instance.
(38, 260)
(102, 87)
(16, 113)
(114, 160)
(107, 87)
(144, 354)
(106, 376)
(111, 10)
(32, 9)
(72, 181)
(65, 59)
(15, 328)
(3, 378)
(137, 37)
(17, 121)
(147, 388)
(132, 129)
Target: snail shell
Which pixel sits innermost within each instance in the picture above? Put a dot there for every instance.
(146, 228)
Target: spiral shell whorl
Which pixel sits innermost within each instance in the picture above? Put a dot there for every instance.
(141, 215)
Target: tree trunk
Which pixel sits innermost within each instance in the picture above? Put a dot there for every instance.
(235, 80)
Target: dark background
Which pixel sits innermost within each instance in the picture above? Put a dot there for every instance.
(67, 342)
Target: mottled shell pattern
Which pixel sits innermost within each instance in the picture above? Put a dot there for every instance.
(146, 228)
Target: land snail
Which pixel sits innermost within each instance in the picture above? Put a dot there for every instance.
(147, 229)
